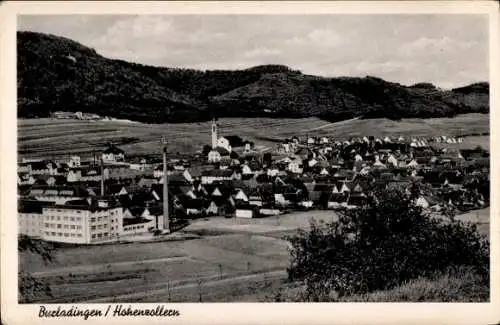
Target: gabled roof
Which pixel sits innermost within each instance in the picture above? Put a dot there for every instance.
(114, 150)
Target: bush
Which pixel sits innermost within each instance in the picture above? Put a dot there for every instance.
(381, 245)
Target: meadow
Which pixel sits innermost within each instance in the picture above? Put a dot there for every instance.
(51, 138)
(234, 258)
(231, 260)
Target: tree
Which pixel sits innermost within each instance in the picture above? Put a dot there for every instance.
(380, 245)
(206, 149)
(31, 288)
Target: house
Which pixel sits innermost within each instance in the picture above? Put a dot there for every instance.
(137, 226)
(113, 154)
(58, 194)
(244, 210)
(241, 195)
(426, 202)
(192, 207)
(217, 175)
(30, 218)
(255, 197)
(74, 162)
(296, 166)
(43, 168)
(211, 208)
(25, 179)
(229, 142)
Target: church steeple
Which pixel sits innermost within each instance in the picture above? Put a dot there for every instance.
(215, 133)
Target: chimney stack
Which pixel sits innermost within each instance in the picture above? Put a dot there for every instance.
(102, 177)
(166, 224)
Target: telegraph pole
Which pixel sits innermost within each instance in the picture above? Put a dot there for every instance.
(166, 224)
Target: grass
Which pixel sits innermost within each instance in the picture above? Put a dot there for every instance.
(231, 249)
(55, 138)
(463, 287)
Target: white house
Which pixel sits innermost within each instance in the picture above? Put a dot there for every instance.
(214, 156)
(112, 155)
(74, 162)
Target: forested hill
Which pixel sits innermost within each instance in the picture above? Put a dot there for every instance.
(58, 74)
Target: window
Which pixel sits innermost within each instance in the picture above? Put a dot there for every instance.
(52, 217)
(78, 218)
(92, 219)
(73, 227)
(72, 218)
(112, 228)
(112, 220)
(93, 236)
(105, 234)
(66, 227)
(47, 225)
(65, 218)
(58, 226)
(72, 235)
(78, 211)
(99, 219)
(99, 227)
(58, 218)
(92, 228)
(53, 233)
(66, 234)
(99, 235)
(79, 235)
(78, 227)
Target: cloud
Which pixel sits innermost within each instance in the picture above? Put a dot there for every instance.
(261, 52)
(318, 37)
(433, 46)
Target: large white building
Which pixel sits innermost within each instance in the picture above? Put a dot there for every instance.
(84, 221)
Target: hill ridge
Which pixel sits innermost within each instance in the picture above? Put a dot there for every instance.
(58, 74)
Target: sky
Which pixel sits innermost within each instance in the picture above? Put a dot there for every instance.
(447, 50)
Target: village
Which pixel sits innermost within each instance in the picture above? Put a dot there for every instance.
(110, 197)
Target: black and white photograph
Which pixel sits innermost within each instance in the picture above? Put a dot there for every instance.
(253, 158)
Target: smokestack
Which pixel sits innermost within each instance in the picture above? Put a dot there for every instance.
(166, 225)
(102, 177)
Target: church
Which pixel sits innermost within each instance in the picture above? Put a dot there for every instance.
(222, 146)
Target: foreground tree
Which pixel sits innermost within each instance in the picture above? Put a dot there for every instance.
(31, 288)
(381, 245)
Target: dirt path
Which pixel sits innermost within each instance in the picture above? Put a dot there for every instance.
(225, 283)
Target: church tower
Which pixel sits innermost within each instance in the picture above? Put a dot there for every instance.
(215, 133)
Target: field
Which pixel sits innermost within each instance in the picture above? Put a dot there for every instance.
(52, 138)
(480, 217)
(231, 259)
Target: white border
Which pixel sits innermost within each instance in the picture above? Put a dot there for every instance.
(241, 313)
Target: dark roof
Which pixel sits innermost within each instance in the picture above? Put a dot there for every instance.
(218, 173)
(114, 150)
(134, 221)
(30, 206)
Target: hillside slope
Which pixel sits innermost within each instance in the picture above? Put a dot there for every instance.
(58, 74)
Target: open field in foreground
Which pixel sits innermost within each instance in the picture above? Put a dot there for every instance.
(232, 260)
(51, 138)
